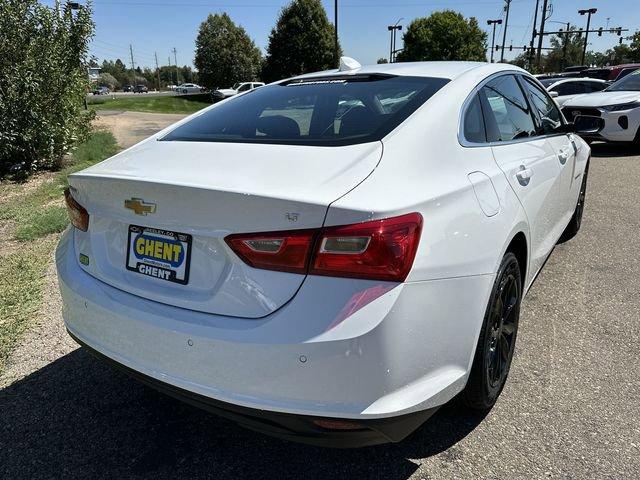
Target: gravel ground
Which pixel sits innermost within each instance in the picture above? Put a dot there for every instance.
(131, 127)
(570, 408)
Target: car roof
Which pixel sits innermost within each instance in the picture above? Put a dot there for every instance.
(449, 70)
(578, 79)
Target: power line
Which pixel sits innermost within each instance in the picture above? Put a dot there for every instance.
(262, 5)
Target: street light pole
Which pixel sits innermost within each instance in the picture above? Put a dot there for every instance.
(588, 12)
(504, 31)
(493, 36)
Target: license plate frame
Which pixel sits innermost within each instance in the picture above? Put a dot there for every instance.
(160, 267)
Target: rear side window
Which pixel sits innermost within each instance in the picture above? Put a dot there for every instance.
(547, 109)
(570, 88)
(473, 127)
(313, 111)
(507, 113)
(594, 87)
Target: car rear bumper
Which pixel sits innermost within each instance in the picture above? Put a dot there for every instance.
(386, 362)
(298, 428)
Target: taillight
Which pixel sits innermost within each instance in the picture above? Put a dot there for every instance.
(378, 250)
(77, 213)
(282, 251)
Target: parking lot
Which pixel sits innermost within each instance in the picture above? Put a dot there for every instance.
(570, 408)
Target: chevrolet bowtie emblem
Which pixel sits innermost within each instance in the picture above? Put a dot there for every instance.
(139, 206)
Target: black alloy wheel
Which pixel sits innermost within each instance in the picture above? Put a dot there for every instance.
(497, 340)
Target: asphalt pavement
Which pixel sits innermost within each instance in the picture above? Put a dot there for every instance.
(570, 408)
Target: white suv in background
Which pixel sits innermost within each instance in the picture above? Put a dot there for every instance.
(618, 107)
(222, 93)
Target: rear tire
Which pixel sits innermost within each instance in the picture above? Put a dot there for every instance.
(497, 341)
(573, 227)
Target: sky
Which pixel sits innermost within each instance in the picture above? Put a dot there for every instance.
(157, 26)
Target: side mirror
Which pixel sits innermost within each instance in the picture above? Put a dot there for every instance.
(553, 94)
(586, 125)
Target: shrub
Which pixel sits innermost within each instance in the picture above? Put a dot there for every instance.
(42, 84)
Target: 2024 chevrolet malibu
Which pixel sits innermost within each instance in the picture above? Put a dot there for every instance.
(332, 257)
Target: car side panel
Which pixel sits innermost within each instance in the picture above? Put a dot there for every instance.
(425, 169)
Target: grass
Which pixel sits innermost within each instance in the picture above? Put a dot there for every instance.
(151, 103)
(21, 281)
(36, 213)
(41, 211)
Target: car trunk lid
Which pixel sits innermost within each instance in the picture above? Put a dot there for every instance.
(160, 200)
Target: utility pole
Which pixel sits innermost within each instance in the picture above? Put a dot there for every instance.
(533, 35)
(175, 61)
(133, 65)
(588, 12)
(564, 47)
(155, 54)
(335, 33)
(392, 39)
(541, 32)
(493, 36)
(504, 31)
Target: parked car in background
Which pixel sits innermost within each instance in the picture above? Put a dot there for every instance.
(275, 284)
(102, 90)
(140, 89)
(617, 107)
(189, 88)
(222, 93)
(611, 73)
(172, 87)
(565, 89)
(127, 88)
(627, 70)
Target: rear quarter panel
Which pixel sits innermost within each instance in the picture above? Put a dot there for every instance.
(425, 169)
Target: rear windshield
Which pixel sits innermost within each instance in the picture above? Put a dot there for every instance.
(315, 111)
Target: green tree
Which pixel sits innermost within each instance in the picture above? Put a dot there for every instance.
(108, 80)
(634, 47)
(225, 54)
(567, 51)
(444, 35)
(43, 83)
(302, 41)
(382, 60)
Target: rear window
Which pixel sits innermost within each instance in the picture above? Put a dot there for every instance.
(314, 111)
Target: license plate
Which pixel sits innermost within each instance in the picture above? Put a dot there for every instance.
(160, 254)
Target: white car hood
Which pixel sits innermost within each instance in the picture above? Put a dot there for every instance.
(601, 99)
(227, 91)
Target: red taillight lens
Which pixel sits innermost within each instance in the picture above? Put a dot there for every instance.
(282, 251)
(377, 250)
(380, 249)
(77, 213)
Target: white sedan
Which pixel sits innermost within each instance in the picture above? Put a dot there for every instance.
(189, 88)
(565, 89)
(617, 108)
(332, 257)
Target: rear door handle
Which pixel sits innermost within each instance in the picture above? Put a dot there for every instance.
(524, 175)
